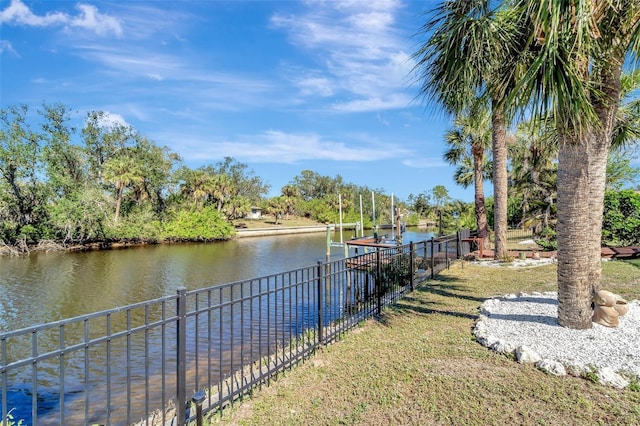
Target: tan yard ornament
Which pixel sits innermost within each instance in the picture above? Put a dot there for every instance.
(608, 307)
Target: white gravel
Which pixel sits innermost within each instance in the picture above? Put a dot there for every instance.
(527, 326)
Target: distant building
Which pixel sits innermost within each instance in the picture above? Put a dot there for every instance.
(256, 213)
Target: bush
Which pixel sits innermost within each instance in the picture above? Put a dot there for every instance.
(621, 219)
(547, 240)
(200, 225)
(139, 224)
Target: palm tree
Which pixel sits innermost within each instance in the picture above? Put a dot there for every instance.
(291, 195)
(221, 188)
(468, 141)
(122, 172)
(578, 49)
(196, 184)
(277, 206)
(534, 155)
(627, 128)
(534, 166)
(467, 50)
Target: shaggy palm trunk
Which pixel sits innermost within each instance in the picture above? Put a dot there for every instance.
(120, 190)
(575, 250)
(581, 179)
(477, 151)
(500, 187)
(582, 164)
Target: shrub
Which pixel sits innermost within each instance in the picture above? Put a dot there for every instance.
(621, 218)
(547, 240)
(200, 225)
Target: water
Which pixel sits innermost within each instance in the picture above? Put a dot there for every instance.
(47, 287)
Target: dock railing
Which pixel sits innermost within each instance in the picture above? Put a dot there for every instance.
(162, 361)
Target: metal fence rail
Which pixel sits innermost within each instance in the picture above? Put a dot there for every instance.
(144, 362)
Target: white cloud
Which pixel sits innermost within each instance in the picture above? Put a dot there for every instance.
(6, 46)
(88, 18)
(321, 86)
(424, 163)
(383, 120)
(392, 101)
(91, 19)
(109, 119)
(275, 146)
(362, 49)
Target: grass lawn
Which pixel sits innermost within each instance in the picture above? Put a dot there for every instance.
(419, 365)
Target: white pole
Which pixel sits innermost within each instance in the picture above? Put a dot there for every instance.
(393, 234)
(375, 227)
(361, 219)
(340, 205)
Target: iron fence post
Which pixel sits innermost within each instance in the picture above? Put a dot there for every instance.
(412, 249)
(458, 248)
(181, 357)
(446, 252)
(319, 291)
(433, 275)
(378, 283)
(197, 399)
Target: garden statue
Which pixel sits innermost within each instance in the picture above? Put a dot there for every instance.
(608, 307)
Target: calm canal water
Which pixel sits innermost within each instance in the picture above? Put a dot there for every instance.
(48, 287)
(43, 287)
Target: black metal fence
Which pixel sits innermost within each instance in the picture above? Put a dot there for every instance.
(149, 362)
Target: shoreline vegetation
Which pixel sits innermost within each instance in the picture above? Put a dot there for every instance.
(241, 228)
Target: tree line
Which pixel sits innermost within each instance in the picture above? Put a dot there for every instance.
(115, 184)
(106, 182)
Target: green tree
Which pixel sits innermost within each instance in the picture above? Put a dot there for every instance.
(467, 142)
(578, 50)
(440, 196)
(466, 56)
(277, 206)
(419, 203)
(222, 190)
(620, 170)
(534, 166)
(22, 198)
(292, 196)
(621, 222)
(313, 185)
(195, 184)
(155, 165)
(627, 125)
(244, 182)
(103, 139)
(122, 171)
(63, 160)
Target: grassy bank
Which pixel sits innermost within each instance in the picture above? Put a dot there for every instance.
(418, 364)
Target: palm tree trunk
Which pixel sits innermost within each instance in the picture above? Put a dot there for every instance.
(500, 187)
(581, 185)
(477, 151)
(575, 251)
(119, 201)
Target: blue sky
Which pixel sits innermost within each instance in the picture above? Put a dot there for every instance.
(282, 86)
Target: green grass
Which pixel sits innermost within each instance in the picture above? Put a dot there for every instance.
(419, 365)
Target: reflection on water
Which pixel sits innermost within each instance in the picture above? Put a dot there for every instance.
(48, 287)
(53, 286)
